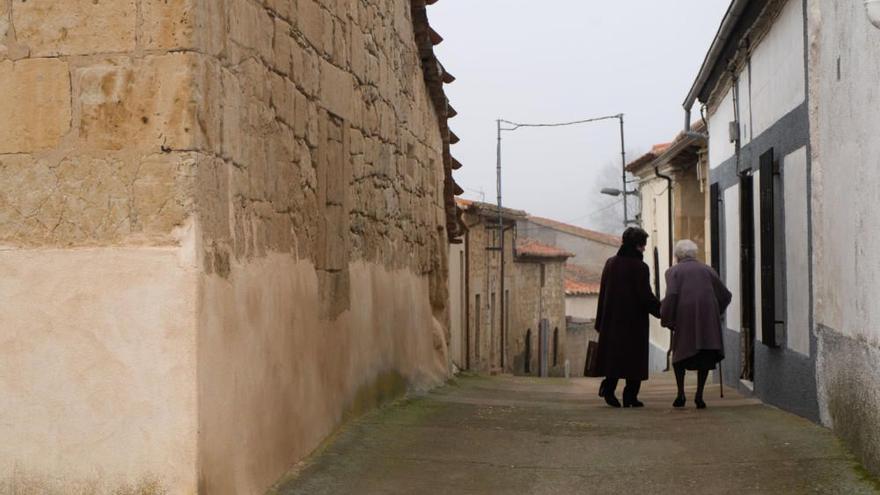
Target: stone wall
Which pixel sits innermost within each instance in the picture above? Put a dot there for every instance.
(256, 190)
(533, 302)
(483, 330)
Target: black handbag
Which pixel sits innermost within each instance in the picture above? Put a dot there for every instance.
(591, 367)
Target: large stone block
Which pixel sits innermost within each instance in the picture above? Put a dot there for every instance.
(251, 27)
(143, 103)
(168, 24)
(337, 90)
(310, 22)
(90, 200)
(75, 27)
(4, 23)
(34, 104)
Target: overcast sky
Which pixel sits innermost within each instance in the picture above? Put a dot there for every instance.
(563, 60)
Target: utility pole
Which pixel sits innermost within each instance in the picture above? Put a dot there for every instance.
(623, 173)
(501, 244)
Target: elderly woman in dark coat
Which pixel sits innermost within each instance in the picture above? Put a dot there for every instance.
(625, 301)
(695, 300)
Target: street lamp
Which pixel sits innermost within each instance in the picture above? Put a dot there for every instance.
(611, 191)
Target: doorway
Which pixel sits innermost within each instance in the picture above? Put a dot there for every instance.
(527, 359)
(747, 276)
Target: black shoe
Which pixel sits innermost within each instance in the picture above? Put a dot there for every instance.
(602, 389)
(629, 401)
(611, 400)
(679, 401)
(699, 402)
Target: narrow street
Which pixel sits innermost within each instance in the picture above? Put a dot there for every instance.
(525, 435)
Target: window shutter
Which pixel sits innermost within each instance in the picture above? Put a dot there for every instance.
(768, 250)
(715, 225)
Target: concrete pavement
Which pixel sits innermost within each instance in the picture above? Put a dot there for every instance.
(555, 436)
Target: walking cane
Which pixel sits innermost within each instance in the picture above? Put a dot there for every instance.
(721, 378)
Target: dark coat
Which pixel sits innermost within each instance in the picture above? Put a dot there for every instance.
(625, 301)
(695, 300)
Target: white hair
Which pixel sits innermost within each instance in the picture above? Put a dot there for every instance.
(685, 249)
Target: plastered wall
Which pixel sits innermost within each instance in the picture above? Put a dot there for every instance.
(844, 154)
(251, 196)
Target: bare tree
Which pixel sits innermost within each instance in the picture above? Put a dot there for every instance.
(607, 213)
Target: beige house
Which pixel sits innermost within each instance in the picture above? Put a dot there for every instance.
(224, 230)
(672, 178)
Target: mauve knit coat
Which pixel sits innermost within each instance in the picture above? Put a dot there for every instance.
(695, 300)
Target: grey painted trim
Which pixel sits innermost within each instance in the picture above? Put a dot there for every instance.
(783, 378)
(788, 134)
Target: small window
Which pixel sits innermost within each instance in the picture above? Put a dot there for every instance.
(543, 274)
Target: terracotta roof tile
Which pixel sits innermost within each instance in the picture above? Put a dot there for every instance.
(581, 281)
(531, 248)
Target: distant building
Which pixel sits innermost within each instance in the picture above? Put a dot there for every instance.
(527, 336)
(481, 343)
(590, 248)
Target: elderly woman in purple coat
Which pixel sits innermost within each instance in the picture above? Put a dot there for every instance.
(695, 300)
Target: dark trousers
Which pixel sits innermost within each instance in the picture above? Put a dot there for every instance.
(630, 390)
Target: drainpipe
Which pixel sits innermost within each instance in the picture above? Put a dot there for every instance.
(669, 240)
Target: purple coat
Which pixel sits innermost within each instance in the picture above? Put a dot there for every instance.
(695, 300)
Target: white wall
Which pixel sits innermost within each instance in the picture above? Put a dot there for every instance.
(778, 83)
(720, 147)
(797, 254)
(655, 221)
(846, 166)
(581, 306)
(770, 89)
(730, 239)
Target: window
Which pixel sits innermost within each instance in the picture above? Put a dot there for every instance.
(543, 274)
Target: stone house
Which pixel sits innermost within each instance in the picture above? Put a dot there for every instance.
(537, 330)
(481, 343)
(224, 229)
(673, 177)
(789, 89)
